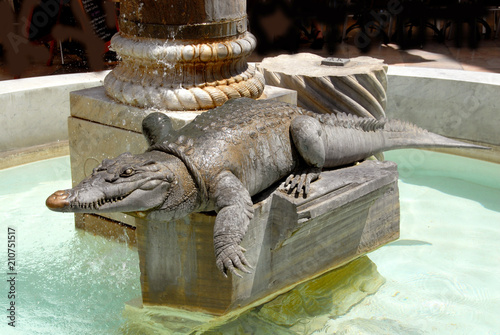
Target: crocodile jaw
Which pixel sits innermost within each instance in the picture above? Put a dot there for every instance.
(127, 183)
(81, 200)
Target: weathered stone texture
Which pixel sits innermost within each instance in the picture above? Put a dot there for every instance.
(357, 88)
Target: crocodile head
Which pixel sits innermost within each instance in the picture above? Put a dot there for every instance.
(128, 183)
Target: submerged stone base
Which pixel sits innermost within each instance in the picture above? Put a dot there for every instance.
(302, 310)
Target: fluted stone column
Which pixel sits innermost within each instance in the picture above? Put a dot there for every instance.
(357, 87)
(183, 55)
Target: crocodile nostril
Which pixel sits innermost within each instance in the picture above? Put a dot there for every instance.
(110, 178)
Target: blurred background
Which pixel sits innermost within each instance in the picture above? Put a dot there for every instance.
(44, 37)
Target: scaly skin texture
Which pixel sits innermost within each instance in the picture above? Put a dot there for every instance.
(228, 154)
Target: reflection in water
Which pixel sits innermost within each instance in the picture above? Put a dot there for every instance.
(406, 242)
(370, 326)
(302, 310)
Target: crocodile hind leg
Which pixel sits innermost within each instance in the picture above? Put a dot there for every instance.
(306, 135)
(234, 211)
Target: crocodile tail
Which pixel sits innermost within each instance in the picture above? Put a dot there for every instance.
(400, 134)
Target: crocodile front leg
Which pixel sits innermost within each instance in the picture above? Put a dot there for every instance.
(234, 211)
(306, 135)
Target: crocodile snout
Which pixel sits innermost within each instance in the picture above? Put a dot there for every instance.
(57, 200)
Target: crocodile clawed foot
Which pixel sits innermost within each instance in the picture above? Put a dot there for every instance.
(231, 258)
(301, 182)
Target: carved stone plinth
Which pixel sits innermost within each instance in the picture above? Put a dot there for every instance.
(290, 240)
(349, 212)
(183, 55)
(356, 87)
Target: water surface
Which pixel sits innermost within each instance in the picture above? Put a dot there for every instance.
(441, 275)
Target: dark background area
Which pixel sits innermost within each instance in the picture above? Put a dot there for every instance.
(40, 37)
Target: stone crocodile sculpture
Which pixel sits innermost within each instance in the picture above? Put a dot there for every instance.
(228, 154)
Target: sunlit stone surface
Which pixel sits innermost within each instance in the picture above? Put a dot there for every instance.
(358, 87)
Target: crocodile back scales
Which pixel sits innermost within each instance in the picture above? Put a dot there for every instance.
(247, 137)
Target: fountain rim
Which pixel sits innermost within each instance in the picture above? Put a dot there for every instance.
(50, 142)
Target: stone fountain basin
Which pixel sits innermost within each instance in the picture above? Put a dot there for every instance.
(36, 109)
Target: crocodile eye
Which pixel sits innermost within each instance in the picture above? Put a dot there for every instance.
(127, 173)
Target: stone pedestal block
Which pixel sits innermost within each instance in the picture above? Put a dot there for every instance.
(290, 240)
(348, 213)
(302, 310)
(354, 86)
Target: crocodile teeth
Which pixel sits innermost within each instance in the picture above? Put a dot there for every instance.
(103, 201)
